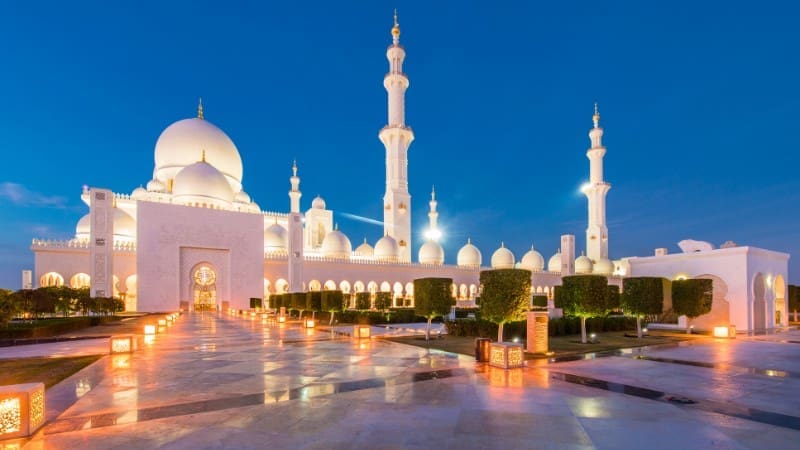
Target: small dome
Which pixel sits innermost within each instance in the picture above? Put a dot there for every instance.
(533, 261)
(386, 249)
(179, 145)
(318, 203)
(365, 250)
(431, 253)
(276, 239)
(554, 264)
(138, 193)
(241, 197)
(583, 265)
(155, 186)
(83, 228)
(502, 258)
(336, 245)
(201, 182)
(124, 226)
(603, 266)
(469, 256)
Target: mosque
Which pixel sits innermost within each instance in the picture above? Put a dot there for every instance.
(194, 239)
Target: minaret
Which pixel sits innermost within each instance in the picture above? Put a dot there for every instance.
(295, 235)
(596, 190)
(397, 137)
(433, 232)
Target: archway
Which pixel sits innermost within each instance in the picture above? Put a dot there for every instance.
(330, 285)
(281, 286)
(780, 301)
(314, 285)
(759, 303)
(51, 279)
(80, 280)
(344, 286)
(204, 288)
(131, 284)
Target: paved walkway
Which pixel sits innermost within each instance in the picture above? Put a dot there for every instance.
(216, 381)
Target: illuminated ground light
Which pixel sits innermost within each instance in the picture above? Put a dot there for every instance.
(21, 409)
(725, 331)
(282, 319)
(310, 323)
(122, 344)
(162, 322)
(506, 356)
(361, 331)
(149, 329)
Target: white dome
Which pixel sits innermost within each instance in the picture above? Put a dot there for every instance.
(533, 261)
(201, 182)
(502, 258)
(83, 228)
(124, 226)
(155, 186)
(242, 197)
(604, 267)
(431, 253)
(583, 265)
(276, 239)
(386, 249)
(469, 256)
(336, 245)
(138, 193)
(554, 264)
(181, 144)
(318, 203)
(365, 249)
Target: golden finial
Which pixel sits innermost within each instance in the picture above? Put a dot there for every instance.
(203, 156)
(200, 109)
(294, 168)
(596, 116)
(396, 27)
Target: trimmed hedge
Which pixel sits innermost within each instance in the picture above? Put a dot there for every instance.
(51, 327)
(383, 300)
(540, 301)
(564, 326)
(363, 301)
(333, 301)
(298, 300)
(314, 301)
(404, 315)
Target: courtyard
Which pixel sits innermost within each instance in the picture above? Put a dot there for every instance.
(221, 381)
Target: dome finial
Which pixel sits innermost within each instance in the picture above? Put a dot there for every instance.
(396, 29)
(294, 167)
(433, 192)
(596, 116)
(203, 154)
(200, 108)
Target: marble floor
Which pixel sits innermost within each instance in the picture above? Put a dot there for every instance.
(219, 381)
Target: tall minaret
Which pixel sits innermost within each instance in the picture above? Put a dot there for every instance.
(596, 190)
(396, 137)
(295, 235)
(433, 216)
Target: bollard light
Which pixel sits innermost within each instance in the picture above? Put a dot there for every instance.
(21, 410)
(122, 344)
(149, 329)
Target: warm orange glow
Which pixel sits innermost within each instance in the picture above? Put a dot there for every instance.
(122, 344)
(149, 339)
(309, 323)
(725, 331)
(281, 319)
(361, 331)
(149, 329)
(506, 355)
(162, 322)
(22, 409)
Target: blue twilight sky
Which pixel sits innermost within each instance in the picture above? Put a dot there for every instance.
(700, 102)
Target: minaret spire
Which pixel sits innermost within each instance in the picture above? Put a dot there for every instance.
(295, 194)
(596, 190)
(200, 108)
(433, 217)
(396, 138)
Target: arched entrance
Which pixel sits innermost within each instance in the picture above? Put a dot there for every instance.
(780, 300)
(759, 303)
(204, 289)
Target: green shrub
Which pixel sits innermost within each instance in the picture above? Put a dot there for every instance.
(314, 301)
(505, 296)
(363, 301)
(540, 301)
(383, 300)
(332, 301)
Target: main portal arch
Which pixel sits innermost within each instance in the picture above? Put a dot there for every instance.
(204, 287)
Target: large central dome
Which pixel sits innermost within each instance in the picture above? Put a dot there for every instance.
(182, 143)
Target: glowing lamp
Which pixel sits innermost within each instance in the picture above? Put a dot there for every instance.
(21, 410)
(149, 329)
(281, 319)
(252, 313)
(162, 322)
(309, 323)
(122, 344)
(361, 331)
(149, 339)
(725, 331)
(169, 318)
(506, 355)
